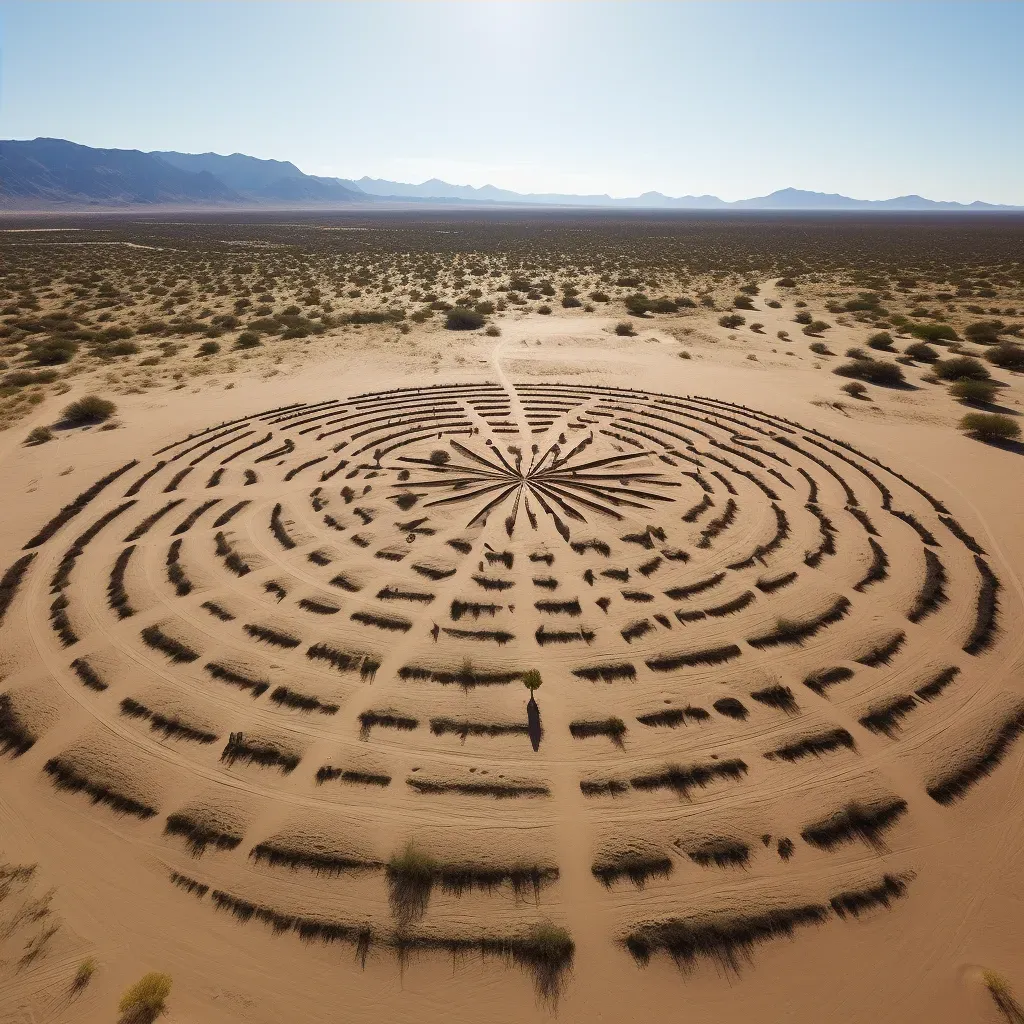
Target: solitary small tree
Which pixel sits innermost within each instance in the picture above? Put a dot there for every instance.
(532, 680)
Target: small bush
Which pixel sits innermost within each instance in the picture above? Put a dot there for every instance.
(493, 331)
(625, 329)
(39, 435)
(248, 339)
(816, 327)
(872, 370)
(881, 341)
(743, 302)
(88, 410)
(803, 317)
(973, 392)
(544, 310)
(732, 321)
(961, 368)
(933, 332)
(146, 1000)
(990, 426)
(855, 389)
(856, 353)
(208, 348)
(922, 352)
(463, 319)
(986, 332)
(819, 348)
(86, 969)
(1007, 356)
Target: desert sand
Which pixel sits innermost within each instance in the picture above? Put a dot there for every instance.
(270, 656)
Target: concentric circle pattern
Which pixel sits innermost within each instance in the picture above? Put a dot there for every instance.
(288, 647)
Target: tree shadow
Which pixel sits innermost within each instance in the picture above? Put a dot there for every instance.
(533, 722)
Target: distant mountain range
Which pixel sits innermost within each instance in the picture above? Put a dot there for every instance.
(56, 174)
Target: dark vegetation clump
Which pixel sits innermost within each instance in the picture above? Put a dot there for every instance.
(153, 636)
(68, 512)
(723, 853)
(820, 743)
(777, 696)
(385, 720)
(819, 682)
(69, 777)
(887, 719)
(267, 755)
(856, 901)
(88, 411)
(289, 698)
(954, 785)
(255, 687)
(15, 736)
(11, 581)
(874, 371)
(638, 868)
(613, 728)
(681, 779)
(462, 728)
(172, 728)
(199, 833)
(856, 822)
(271, 636)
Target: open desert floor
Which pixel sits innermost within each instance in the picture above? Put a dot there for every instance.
(264, 630)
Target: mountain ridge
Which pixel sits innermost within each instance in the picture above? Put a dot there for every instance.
(53, 173)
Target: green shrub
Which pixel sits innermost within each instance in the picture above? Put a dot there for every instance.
(52, 351)
(531, 680)
(872, 370)
(990, 426)
(922, 352)
(248, 339)
(785, 282)
(961, 367)
(86, 969)
(985, 332)
(773, 304)
(803, 318)
(544, 310)
(25, 378)
(743, 302)
(1007, 355)
(732, 321)
(88, 410)
(462, 319)
(637, 304)
(484, 308)
(815, 327)
(625, 329)
(856, 353)
(973, 392)
(881, 341)
(493, 331)
(819, 348)
(39, 435)
(208, 348)
(146, 1000)
(600, 297)
(933, 332)
(664, 305)
(570, 302)
(121, 348)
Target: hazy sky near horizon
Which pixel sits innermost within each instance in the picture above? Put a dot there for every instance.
(869, 99)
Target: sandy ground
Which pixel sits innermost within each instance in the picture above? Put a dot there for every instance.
(956, 866)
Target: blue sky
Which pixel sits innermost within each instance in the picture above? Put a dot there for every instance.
(734, 99)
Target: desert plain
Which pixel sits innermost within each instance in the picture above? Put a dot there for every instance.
(267, 616)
